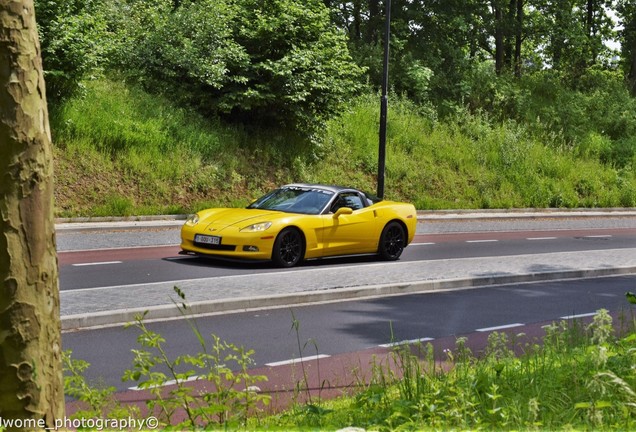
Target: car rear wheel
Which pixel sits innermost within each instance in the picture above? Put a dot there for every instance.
(392, 241)
(288, 248)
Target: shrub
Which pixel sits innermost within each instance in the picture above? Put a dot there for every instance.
(75, 42)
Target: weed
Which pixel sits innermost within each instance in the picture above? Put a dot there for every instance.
(578, 377)
(233, 396)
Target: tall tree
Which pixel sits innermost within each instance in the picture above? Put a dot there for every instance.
(627, 11)
(75, 42)
(575, 31)
(507, 18)
(31, 390)
(518, 5)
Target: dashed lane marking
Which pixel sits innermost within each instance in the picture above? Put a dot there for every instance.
(167, 383)
(406, 342)
(298, 360)
(501, 327)
(585, 315)
(96, 263)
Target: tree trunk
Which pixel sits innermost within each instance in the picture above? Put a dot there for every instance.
(31, 388)
(631, 77)
(373, 22)
(590, 28)
(357, 21)
(627, 11)
(509, 26)
(561, 14)
(499, 38)
(518, 38)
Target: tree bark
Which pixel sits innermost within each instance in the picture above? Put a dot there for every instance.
(31, 384)
(518, 37)
(374, 22)
(631, 77)
(590, 28)
(628, 39)
(499, 38)
(357, 20)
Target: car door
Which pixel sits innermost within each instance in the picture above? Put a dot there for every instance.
(352, 231)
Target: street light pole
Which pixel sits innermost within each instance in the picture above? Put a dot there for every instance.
(384, 102)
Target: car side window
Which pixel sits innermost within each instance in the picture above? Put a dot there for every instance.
(347, 199)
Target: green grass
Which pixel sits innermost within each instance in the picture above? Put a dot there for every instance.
(121, 151)
(578, 377)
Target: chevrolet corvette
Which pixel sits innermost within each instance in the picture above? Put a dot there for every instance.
(302, 221)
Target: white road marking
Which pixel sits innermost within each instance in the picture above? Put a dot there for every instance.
(421, 244)
(118, 248)
(97, 263)
(541, 238)
(482, 241)
(293, 361)
(167, 383)
(502, 327)
(405, 342)
(567, 317)
(598, 236)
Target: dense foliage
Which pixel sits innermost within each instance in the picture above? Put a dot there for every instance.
(73, 36)
(578, 377)
(279, 74)
(290, 64)
(272, 63)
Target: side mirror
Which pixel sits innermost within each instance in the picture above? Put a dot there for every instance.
(342, 211)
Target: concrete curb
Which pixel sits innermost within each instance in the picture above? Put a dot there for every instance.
(177, 220)
(458, 215)
(164, 312)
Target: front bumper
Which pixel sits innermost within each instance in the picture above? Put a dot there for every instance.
(233, 244)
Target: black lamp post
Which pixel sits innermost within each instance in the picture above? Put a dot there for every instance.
(384, 102)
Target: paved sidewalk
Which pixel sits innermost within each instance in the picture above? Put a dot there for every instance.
(120, 304)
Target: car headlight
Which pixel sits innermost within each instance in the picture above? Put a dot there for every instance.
(257, 227)
(192, 220)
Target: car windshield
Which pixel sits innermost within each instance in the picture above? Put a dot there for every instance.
(294, 200)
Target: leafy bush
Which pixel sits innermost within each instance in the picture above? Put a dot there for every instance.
(273, 63)
(592, 114)
(228, 399)
(183, 52)
(577, 377)
(75, 42)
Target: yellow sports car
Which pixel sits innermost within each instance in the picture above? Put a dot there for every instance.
(302, 221)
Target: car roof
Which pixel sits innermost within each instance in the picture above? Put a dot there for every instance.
(331, 188)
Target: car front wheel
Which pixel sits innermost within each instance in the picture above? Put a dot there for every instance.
(288, 248)
(392, 241)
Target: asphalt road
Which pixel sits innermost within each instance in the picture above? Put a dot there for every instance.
(349, 327)
(78, 236)
(150, 261)
(111, 255)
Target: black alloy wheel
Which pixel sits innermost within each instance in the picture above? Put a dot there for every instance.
(288, 248)
(392, 241)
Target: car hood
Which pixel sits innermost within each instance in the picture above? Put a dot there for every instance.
(223, 218)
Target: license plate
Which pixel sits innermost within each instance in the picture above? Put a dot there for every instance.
(213, 240)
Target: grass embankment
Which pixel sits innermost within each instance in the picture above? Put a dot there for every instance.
(579, 377)
(121, 151)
